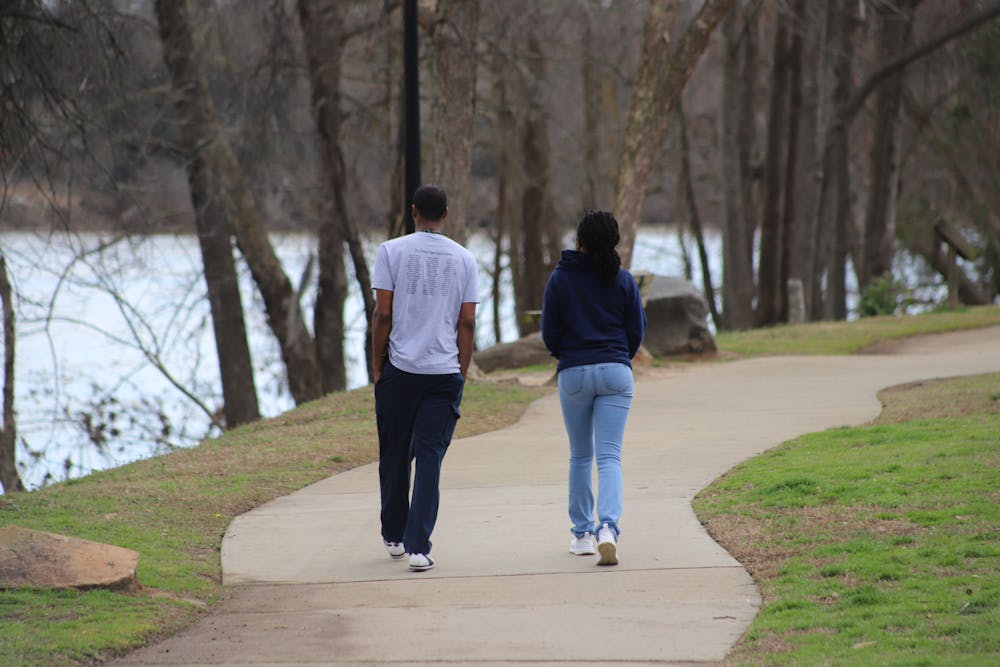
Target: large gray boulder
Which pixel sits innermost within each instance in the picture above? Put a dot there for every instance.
(677, 316)
(527, 351)
(530, 351)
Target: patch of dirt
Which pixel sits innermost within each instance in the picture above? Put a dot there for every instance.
(757, 651)
(156, 593)
(892, 346)
(752, 542)
(940, 398)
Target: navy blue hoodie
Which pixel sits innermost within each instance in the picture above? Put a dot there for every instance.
(585, 320)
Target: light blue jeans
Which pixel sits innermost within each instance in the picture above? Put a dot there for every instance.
(595, 402)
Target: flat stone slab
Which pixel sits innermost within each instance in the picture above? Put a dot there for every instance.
(36, 559)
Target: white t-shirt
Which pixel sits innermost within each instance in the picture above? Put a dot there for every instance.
(430, 277)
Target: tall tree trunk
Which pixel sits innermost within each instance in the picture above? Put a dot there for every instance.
(747, 134)
(839, 249)
(199, 138)
(695, 216)
(803, 262)
(284, 313)
(738, 137)
(833, 198)
(895, 24)
(769, 271)
(839, 167)
(592, 117)
(789, 216)
(533, 206)
(510, 193)
(10, 480)
(821, 216)
(453, 37)
(611, 110)
(601, 108)
(323, 31)
(538, 160)
(538, 243)
(660, 79)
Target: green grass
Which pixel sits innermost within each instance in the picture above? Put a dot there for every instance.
(849, 337)
(62, 627)
(877, 545)
(174, 511)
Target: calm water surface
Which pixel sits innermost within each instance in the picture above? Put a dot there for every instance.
(109, 333)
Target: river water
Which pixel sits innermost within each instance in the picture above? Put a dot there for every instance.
(113, 336)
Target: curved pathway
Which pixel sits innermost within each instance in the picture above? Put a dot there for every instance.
(310, 583)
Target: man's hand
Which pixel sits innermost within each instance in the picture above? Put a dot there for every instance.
(381, 326)
(466, 336)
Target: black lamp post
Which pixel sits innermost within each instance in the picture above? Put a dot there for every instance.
(411, 109)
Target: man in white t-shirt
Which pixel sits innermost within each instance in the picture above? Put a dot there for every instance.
(422, 339)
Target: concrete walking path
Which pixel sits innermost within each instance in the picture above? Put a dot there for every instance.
(310, 583)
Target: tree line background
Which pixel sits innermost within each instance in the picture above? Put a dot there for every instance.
(823, 139)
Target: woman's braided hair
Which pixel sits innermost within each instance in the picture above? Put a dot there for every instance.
(597, 234)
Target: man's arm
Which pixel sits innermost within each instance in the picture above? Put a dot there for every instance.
(381, 326)
(466, 335)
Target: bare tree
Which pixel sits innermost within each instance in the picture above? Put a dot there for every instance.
(10, 480)
(737, 138)
(847, 101)
(510, 191)
(199, 133)
(966, 146)
(769, 272)
(524, 165)
(833, 200)
(659, 82)
(790, 221)
(323, 31)
(694, 215)
(592, 116)
(894, 35)
(811, 79)
(217, 185)
(541, 243)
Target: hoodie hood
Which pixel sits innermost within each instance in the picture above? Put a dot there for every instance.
(575, 260)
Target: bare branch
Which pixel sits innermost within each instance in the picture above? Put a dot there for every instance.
(878, 76)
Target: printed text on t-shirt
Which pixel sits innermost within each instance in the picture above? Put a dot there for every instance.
(424, 273)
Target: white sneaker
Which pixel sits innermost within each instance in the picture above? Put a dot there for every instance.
(607, 546)
(395, 549)
(583, 545)
(420, 562)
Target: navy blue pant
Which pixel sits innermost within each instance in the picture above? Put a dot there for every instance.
(416, 416)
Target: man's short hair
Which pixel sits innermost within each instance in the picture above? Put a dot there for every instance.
(431, 202)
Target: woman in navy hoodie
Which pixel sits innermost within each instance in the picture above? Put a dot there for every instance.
(593, 323)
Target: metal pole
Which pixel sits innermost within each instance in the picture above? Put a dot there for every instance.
(411, 109)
